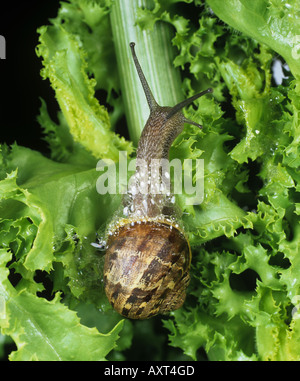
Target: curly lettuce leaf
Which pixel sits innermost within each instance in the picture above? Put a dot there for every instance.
(25, 225)
(270, 22)
(37, 210)
(59, 196)
(25, 317)
(89, 22)
(63, 148)
(66, 67)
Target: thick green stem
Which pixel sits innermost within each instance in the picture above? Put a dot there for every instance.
(155, 52)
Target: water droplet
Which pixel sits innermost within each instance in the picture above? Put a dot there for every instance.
(294, 311)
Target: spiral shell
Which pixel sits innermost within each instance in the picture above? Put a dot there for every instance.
(146, 269)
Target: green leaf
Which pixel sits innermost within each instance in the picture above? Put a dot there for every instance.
(273, 23)
(66, 67)
(25, 318)
(18, 206)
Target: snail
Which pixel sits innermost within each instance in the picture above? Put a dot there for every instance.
(148, 256)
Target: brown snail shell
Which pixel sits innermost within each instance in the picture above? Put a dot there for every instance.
(146, 269)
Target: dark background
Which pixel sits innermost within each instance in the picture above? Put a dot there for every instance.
(20, 82)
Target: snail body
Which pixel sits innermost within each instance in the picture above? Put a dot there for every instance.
(148, 256)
